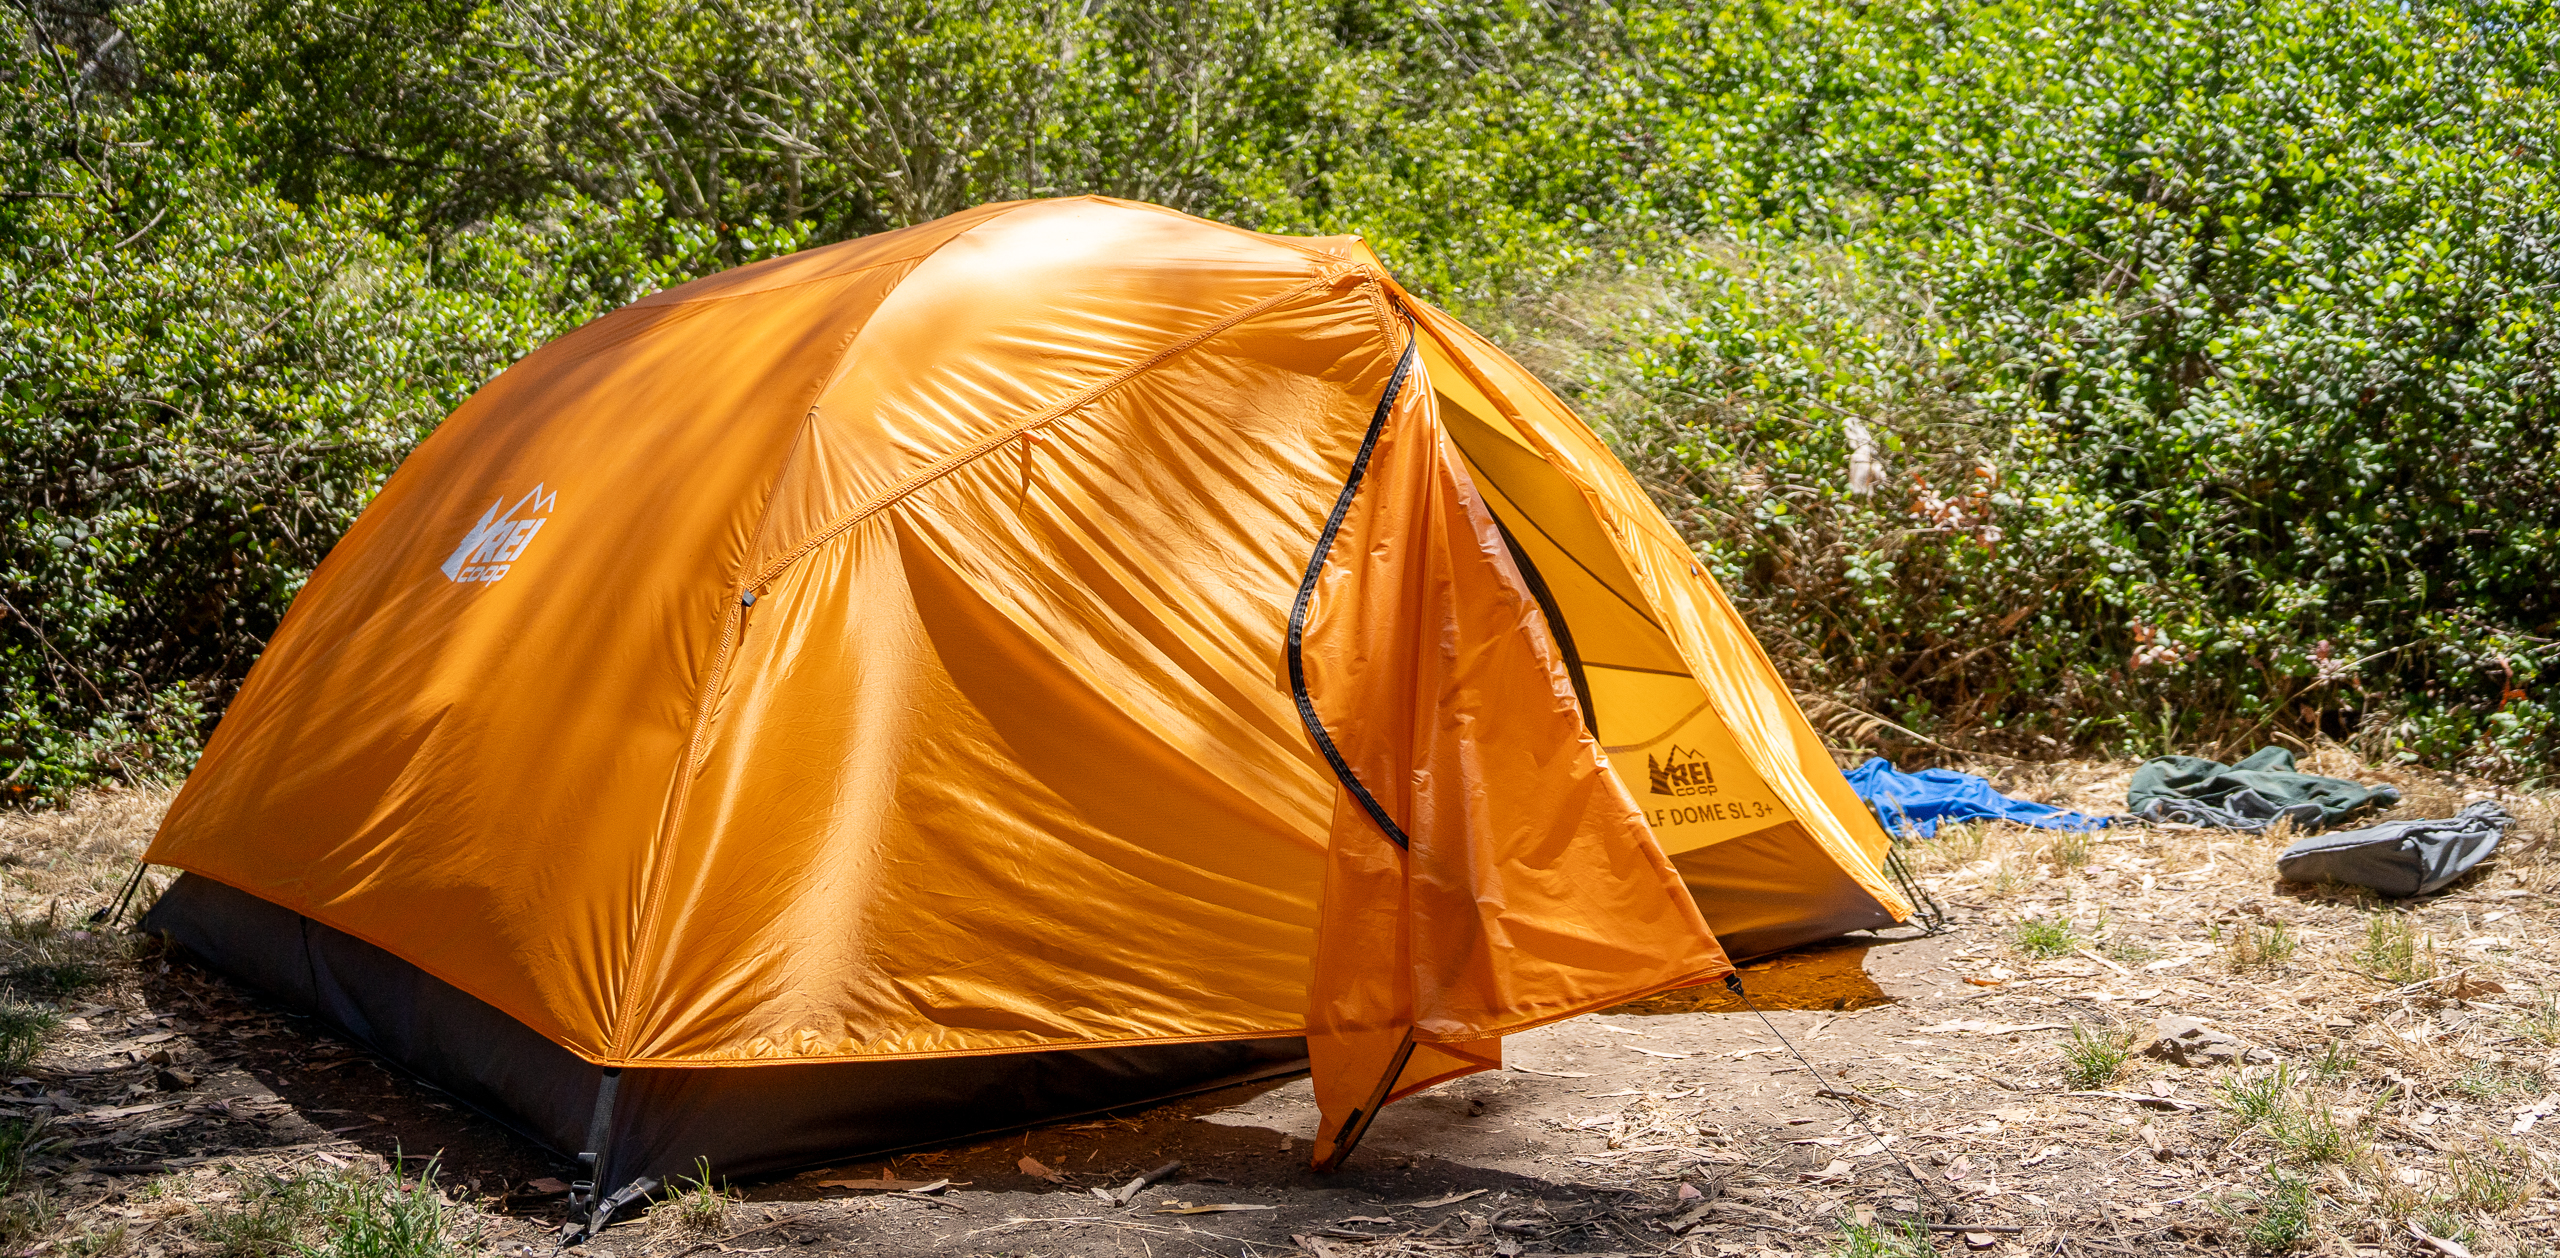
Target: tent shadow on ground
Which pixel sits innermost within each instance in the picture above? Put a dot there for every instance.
(1826, 976)
(1248, 1138)
(1245, 1142)
(332, 1084)
(339, 1089)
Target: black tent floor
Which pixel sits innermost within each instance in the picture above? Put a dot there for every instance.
(745, 1122)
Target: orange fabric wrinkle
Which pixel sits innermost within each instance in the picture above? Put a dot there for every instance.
(505, 743)
(1004, 756)
(1531, 889)
(1086, 720)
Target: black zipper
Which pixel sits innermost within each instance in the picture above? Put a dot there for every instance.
(1306, 595)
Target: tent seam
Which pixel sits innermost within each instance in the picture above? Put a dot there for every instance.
(691, 765)
(303, 911)
(733, 1063)
(620, 1062)
(1646, 614)
(646, 303)
(980, 448)
(687, 768)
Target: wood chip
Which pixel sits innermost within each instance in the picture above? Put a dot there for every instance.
(2530, 1114)
(2142, 1098)
(2102, 959)
(1990, 1028)
(2448, 1248)
(108, 1115)
(1131, 1189)
(886, 1184)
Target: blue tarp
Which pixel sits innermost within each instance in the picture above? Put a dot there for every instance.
(1914, 803)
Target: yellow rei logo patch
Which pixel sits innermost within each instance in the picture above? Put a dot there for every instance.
(494, 543)
(1680, 771)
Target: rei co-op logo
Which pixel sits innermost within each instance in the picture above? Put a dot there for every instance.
(499, 537)
(1680, 771)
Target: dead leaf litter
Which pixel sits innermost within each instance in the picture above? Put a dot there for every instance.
(2132, 1041)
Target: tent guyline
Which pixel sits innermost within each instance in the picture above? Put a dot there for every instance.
(1928, 1193)
(1311, 629)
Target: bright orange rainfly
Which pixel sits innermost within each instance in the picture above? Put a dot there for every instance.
(1064, 654)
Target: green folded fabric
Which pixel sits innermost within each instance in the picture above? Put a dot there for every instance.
(2249, 795)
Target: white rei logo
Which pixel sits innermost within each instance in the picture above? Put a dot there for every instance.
(499, 537)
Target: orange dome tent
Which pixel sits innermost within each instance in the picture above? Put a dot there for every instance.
(1058, 656)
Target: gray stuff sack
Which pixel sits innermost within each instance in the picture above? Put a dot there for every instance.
(2399, 858)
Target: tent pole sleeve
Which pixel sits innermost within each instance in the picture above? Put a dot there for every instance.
(599, 1131)
(600, 1127)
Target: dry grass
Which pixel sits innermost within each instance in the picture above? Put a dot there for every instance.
(2408, 1053)
(2416, 1036)
(60, 866)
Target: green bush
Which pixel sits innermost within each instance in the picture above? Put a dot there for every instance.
(2092, 1058)
(2275, 1221)
(2204, 351)
(262, 1221)
(202, 383)
(2196, 357)
(2045, 937)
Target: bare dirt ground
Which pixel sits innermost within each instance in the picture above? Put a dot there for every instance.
(2389, 1089)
